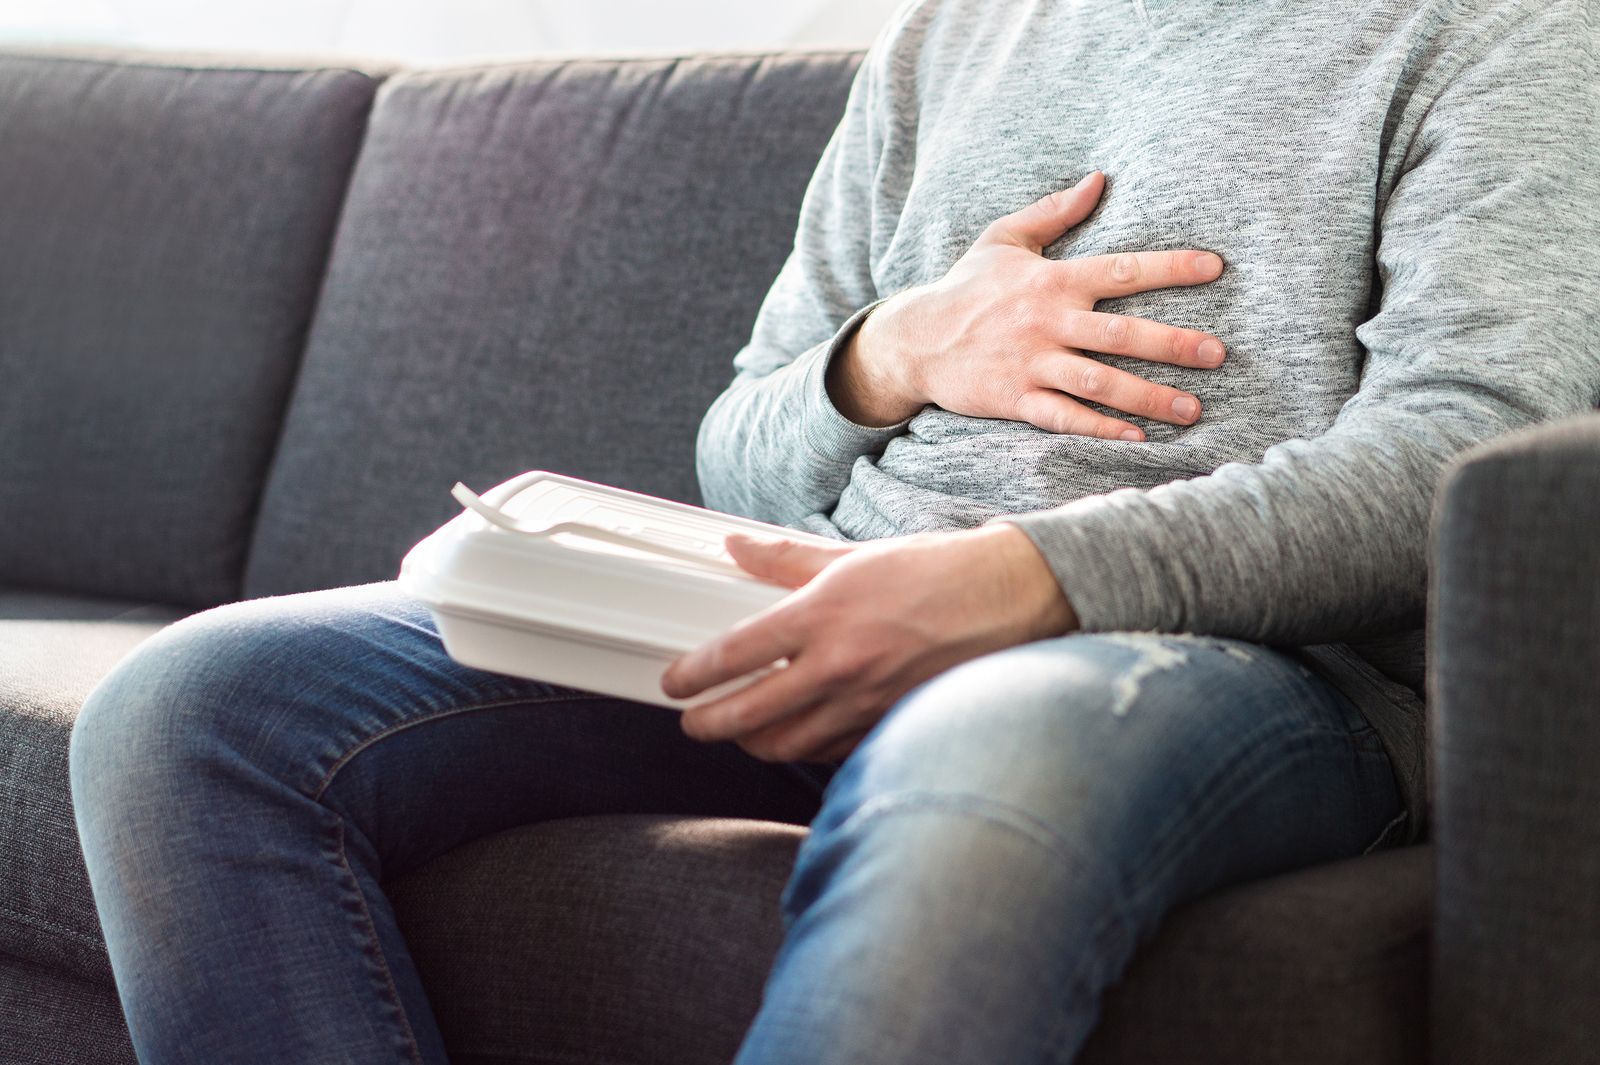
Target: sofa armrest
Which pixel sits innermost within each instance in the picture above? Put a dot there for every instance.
(1514, 679)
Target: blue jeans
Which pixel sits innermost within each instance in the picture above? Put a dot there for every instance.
(977, 873)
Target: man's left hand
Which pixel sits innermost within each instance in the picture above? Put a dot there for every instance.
(867, 623)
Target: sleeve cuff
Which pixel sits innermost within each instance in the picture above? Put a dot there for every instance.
(827, 431)
(1115, 580)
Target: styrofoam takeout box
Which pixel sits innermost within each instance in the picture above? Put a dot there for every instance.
(584, 585)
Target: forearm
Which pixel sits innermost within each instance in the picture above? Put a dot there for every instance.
(1323, 541)
(777, 448)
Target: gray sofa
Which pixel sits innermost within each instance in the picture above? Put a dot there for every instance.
(256, 318)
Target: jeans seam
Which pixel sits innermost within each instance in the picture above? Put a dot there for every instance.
(389, 989)
(1172, 844)
(357, 748)
(1214, 789)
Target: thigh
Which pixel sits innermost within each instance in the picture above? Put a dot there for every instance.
(1168, 764)
(347, 699)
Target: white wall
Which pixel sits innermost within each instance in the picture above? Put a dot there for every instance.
(441, 31)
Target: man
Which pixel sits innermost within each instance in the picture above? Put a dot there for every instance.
(1088, 665)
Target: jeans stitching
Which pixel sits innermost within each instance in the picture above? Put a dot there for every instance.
(375, 946)
(438, 715)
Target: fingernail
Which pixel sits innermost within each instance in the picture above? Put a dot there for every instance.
(1207, 265)
(1211, 352)
(1132, 434)
(1084, 180)
(1186, 407)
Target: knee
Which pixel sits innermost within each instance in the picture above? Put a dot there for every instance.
(180, 700)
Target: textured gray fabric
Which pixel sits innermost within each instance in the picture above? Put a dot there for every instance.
(53, 650)
(541, 266)
(1515, 678)
(50, 1019)
(162, 236)
(1383, 184)
(636, 941)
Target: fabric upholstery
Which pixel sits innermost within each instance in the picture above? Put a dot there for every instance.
(47, 1018)
(541, 266)
(634, 941)
(53, 650)
(162, 236)
(1516, 734)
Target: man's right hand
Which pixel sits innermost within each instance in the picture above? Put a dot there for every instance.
(1003, 335)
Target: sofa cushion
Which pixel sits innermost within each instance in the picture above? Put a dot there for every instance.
(636, 940)
(47, 1018)
(53, 650)
(163, 230)
(539, 266)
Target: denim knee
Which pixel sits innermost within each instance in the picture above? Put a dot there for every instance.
(211, 692)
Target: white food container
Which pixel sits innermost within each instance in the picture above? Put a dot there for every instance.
(584, 585)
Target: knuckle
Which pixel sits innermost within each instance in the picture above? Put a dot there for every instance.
(842, 663)
(1178, 345)
(1158, 401)
(1025, 316)
(1124, 268)
(1092, 380)
(1041, 285)
(1114, 331)
(787, 749)
(1106, 429)
(760, 749)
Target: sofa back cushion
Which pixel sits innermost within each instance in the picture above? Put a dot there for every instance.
(543, 266)
(163, 230)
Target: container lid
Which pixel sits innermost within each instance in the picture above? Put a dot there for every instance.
(546, 552)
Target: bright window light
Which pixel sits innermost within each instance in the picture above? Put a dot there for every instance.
(443, 31)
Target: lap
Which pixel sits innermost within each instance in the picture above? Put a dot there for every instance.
(348, 697)
(1133, 748)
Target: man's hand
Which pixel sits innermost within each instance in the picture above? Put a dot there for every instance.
(868, 623)
(1003, 334)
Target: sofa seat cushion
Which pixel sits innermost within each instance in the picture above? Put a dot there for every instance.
(53, 650)
(642, 940)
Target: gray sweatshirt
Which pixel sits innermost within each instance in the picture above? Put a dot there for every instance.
(1407, 195)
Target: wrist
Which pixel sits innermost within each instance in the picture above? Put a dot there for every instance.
(1042, 607)
(866, 380)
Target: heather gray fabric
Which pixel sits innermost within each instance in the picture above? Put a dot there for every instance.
(541, 266)
(1386, 183)
(641, 940)
(53, 649)
(50, 1019)
(1516, 742)
(162, 236)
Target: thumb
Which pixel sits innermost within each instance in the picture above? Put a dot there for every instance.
(1043, 222)
(787, 562)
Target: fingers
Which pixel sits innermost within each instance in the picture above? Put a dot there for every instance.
(1043, 222)
(1139, 338)
(763, 705)
(753, 643)
(787, 562)
(1057, 413)
(821, 734)
(1108, 386)
(1108, 276)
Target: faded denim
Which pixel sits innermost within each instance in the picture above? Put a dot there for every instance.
(978, 871)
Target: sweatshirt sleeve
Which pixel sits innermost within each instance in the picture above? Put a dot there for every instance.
(773, 446)
(1489, 257)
